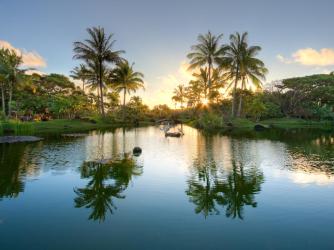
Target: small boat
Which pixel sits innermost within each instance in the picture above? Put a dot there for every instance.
(173, 134)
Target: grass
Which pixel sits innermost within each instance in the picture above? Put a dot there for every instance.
(71, 126)
(63, 126)
(298, 123)
(245, 124)
(16, 127)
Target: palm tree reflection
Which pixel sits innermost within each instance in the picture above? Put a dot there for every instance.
(238, 190)
(11, 179)
(107, 182)
(211, 187)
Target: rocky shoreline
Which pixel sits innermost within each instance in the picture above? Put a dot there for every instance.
(16, 139)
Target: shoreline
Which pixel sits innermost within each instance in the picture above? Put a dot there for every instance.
(74, 126)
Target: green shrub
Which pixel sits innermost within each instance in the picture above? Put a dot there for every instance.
(209, 120)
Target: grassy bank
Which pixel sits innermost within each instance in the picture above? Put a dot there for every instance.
(213, 123)
(57, 126)
(209, 123)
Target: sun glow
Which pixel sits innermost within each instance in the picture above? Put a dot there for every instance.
(205, 102)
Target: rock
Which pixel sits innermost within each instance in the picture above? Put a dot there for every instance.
(260, 127)
(136, 151)
(15, 139)
(74, 135)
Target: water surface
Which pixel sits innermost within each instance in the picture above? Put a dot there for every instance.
(267, 190)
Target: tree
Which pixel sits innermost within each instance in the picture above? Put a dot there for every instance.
(124, 78)
(10, 72)
(80, 73)
(252, 70)
(98, 51)
(179, 94)
(207, 52)
(232, 62)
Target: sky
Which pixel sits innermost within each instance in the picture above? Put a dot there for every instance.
(296, 36)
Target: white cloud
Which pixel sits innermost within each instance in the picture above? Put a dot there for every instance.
(310, 57)
(29, 58)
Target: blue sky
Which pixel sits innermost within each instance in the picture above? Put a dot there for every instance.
(296, 36)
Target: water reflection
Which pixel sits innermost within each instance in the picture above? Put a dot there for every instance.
(107, 182)
(11, 183)
(212, 186)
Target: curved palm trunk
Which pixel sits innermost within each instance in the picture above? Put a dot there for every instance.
(124, 96)
(234, 103)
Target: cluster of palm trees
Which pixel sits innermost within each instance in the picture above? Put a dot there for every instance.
(10, 74)
(97, 71)
(216, 65)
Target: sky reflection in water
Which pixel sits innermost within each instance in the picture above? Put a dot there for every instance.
(258, 189)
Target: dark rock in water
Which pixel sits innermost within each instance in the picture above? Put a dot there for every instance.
(229, 124)
(15, 139)
(259, 127)
(74, 135)
(136, 151)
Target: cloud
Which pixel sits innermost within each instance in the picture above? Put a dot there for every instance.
(310, 57)
(33, 71)
(29, 58)
(283, 59)
(162, 92)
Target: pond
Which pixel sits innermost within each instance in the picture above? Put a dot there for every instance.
(256, 190)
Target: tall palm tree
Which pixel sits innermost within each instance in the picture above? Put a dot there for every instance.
(252, 70)
(232, 61)
(80, 73)
(124, 78)
(179, 94)
(207, 52)
(98, 50)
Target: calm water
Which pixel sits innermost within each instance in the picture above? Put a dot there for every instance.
(269, 190)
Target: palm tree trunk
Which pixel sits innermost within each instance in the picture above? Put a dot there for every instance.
(3, 99)
(124, 96)
(10, 100)
(240, 97)
(83, 86)
(98, 100)
(209, 80)
(101, 89)
(234, 103)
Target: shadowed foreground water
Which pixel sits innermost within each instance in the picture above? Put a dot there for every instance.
(268, 190)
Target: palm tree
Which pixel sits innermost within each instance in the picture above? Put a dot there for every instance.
(80, 73)
(179, 94)
(201, 79)
(252, 70)
(98, 50)
(232, 61)
(124, 78)
(10, 72)
(207, 52)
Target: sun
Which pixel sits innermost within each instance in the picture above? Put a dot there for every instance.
(205, 102)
